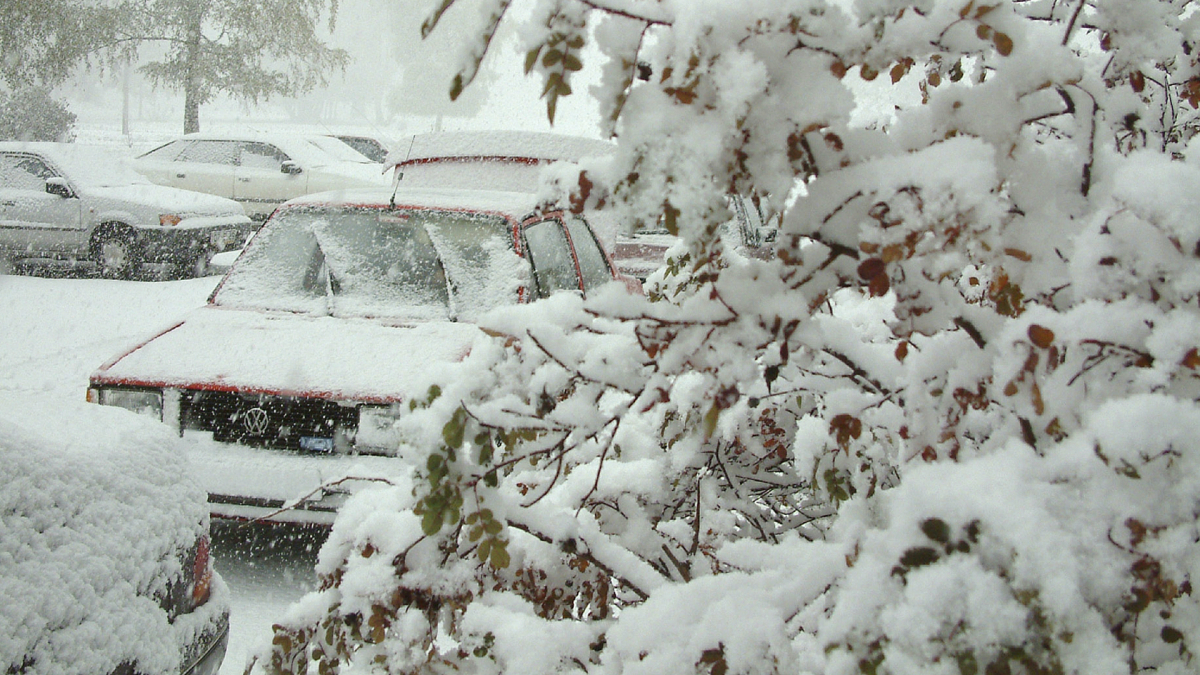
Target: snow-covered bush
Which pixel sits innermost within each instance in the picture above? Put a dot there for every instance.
(951, 428)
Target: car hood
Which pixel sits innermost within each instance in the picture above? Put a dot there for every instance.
(252, 351)
(168, 199)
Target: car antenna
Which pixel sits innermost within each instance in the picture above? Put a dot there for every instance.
(400, 171)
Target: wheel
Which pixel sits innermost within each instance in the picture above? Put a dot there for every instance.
(193, 265)
(116, 252)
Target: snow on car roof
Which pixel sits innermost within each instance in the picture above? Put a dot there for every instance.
(513, 204)
(91, 165)
(494, 145)
(299, 144)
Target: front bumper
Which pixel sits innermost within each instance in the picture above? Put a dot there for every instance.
(192, 236)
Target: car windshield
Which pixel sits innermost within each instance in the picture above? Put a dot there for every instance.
(337, 149)
(377, 262)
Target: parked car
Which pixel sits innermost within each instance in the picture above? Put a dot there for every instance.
(104, 558)
(260, 171)
(513, 160)
(368, 146)
(82, 204)
(328, 323)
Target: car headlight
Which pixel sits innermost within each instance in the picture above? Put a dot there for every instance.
(377, 429)
(147, 402)
(169, 219)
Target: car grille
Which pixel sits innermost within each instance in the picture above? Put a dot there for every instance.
(291, 422)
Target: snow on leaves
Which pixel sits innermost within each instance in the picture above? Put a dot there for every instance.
(949, 427)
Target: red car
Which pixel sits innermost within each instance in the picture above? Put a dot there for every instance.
(329, 321)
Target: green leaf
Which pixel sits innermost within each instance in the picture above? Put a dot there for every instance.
(552, 57)
(1170, 635)
(572, 62)
(499, 558)
(485, 549)
(576, 42)
(475, 533)
(431, 522)
(456, 87)
(710, 421)
(493, 527)
(432, 20)
(491, 479)
(531, 58)
(452, 432)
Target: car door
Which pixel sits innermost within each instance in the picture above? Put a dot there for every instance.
(594, 265)
(261, 183)
(206, 166)
(31, 219)
(550, 255)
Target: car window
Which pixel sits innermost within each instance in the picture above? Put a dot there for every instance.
(23, 172)
(410, 263)
(592, 262)
(553, 265)
(210, 152)
(165, 153)
(261, 156)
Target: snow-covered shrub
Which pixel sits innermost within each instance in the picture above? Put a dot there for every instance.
(950, 428)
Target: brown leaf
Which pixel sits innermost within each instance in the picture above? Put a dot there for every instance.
(867, 73)
(902, 351)
(1191, 359)
(1138, 81)
(1041, 336)
(1004, 43)
(1039, 405)
(984, 31)
(838, 69)
(871, 268)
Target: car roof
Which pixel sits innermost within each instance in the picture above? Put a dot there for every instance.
(513, 204)
(527, 146)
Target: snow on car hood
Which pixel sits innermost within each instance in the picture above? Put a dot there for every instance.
(169, 199)
(258, 351)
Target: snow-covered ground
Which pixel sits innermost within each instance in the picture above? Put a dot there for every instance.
(55, 332)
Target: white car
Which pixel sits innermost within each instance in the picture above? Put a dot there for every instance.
(327, 325)
(104, 559)
(260, 171)
(83, 204)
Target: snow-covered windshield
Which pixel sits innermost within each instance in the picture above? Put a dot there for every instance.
(377, 262)
(337, 149)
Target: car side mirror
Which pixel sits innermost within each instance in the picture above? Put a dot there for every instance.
(57, 185)
(290, 168)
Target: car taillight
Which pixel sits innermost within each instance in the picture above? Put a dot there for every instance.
(201, 573)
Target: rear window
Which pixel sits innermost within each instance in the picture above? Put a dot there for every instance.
(377, 262)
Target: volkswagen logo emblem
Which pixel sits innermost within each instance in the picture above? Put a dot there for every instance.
(255, 421)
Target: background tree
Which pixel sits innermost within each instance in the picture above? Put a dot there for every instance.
(248, 50)
(951, 428)
(42, 44)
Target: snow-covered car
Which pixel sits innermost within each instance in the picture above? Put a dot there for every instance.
(513, 160)
(260, 171)
(104, 558)
(328, 324)
(83, 204)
